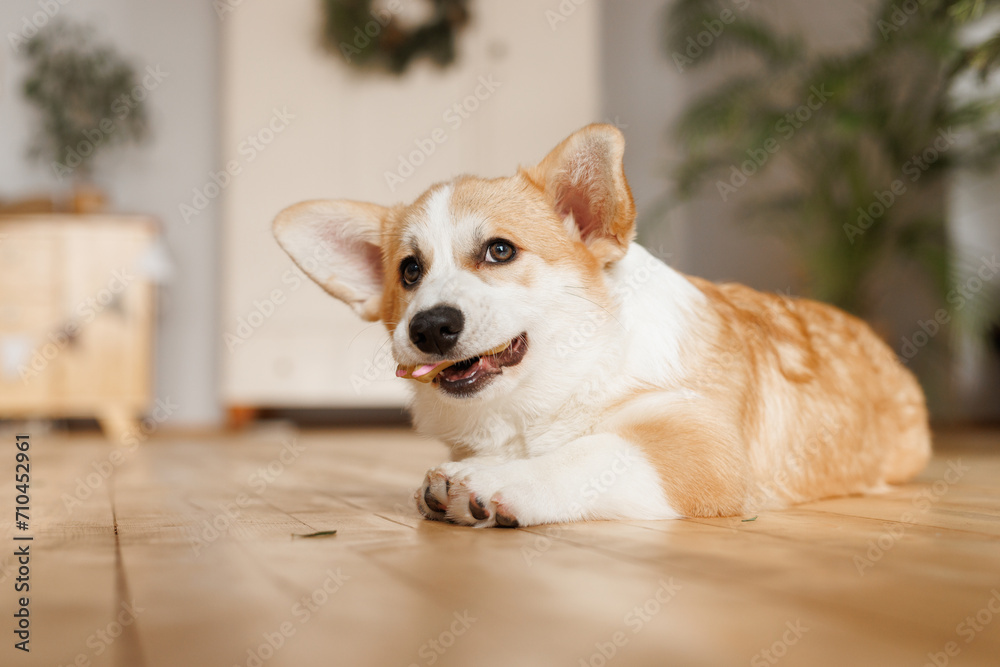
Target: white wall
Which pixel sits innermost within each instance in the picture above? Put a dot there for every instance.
(180, 37)
(974, 209)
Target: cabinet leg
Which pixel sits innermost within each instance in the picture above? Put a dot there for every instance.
(116, 421)
(238, 416)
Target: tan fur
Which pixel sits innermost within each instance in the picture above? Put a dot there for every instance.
(799, 401)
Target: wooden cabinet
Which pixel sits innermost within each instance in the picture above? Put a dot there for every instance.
(76, 318)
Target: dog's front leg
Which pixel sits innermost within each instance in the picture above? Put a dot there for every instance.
(599, 476)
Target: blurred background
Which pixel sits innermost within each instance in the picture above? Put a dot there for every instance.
(843, 151)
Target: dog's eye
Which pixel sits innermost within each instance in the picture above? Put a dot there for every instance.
(500, 251)
(410, 270)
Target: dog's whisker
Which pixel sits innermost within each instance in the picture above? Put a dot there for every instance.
(388, 339)
(363, 330)
(610, 314)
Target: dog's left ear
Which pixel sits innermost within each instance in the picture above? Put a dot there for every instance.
(584, 177)
(338, 244)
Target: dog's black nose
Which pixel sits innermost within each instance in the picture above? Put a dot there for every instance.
(436, 330)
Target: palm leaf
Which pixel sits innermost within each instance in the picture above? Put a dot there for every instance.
(697, 30)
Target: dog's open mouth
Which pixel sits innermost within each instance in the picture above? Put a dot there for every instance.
(467, 376)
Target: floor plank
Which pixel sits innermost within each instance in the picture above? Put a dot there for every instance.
(199, 535)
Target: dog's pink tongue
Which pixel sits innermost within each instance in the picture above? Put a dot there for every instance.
(425, 373)
(417, 372)
(428, 372)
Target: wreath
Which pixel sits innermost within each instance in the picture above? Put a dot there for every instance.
(374, 37)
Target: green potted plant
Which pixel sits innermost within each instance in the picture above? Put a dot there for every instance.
(862, 142)
(869, 113)
(88, 98)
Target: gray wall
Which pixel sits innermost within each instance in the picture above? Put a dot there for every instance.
(181, 38)
(644, 92)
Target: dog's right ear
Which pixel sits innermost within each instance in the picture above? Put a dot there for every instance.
(338, 244)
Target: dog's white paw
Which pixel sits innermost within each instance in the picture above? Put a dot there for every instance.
(466, 493)
(596, 477)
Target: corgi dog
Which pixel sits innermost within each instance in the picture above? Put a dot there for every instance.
(576, 377)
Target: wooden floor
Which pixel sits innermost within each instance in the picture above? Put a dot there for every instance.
(184, 557)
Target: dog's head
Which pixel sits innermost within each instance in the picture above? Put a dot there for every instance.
(479, 281)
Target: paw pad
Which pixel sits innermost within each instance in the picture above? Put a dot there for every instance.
(505, 519)
(432, 502)
(477, 508)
